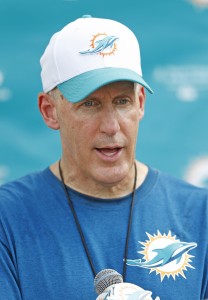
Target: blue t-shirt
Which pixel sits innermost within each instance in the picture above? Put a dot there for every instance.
(42, 256)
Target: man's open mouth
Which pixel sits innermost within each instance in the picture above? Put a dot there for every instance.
(109, 152)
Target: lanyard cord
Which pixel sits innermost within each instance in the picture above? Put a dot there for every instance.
(80, 229)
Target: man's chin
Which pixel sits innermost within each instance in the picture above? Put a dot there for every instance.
(111, 175)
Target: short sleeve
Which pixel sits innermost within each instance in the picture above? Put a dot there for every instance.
(9, 287)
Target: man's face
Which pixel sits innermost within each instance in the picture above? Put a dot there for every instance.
(99, 133)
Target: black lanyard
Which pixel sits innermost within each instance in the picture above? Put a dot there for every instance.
(80, 229)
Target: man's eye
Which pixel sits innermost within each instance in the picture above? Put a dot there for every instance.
(122, 101)
(89, 103)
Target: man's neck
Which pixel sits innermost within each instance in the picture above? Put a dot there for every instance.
(99, 190)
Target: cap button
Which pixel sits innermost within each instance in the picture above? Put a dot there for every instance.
(87, 16)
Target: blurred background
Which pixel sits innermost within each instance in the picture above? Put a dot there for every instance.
(173, 37)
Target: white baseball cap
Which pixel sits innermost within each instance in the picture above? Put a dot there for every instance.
(89, 53)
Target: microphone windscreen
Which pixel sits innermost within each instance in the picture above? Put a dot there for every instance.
(106, 278)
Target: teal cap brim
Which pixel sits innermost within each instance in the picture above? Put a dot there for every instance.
(81, 86)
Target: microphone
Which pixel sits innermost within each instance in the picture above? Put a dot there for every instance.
(106, 278)
(109, 285)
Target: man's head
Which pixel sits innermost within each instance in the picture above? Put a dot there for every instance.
(88, 54)
(94, 95)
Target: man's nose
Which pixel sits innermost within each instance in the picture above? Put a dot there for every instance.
(109, 122)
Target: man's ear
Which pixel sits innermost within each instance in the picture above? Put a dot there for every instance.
(141, 98)
(47, 109)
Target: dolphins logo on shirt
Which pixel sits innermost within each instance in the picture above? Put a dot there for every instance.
(102, 44)
(165, 255)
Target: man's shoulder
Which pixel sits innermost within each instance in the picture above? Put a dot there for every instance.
(172, 179)
(22, 181)
(21, 188)
(180, 187)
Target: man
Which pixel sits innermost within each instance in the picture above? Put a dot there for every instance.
(97, 208)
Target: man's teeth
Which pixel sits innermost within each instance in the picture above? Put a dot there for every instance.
(108, 151)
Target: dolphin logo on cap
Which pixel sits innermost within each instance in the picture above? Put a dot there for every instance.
(102, 46)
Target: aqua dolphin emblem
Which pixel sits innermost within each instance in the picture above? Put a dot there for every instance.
(164, 256)
(101, 45)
